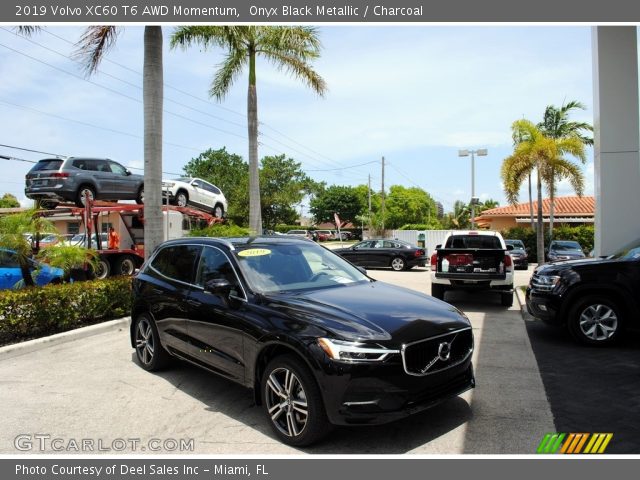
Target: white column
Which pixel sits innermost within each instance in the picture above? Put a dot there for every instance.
(616, 137)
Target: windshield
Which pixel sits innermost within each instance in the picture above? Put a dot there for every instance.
(273, 268)
(630, 252)
(517, 244)
(565, 246)
(473, 241)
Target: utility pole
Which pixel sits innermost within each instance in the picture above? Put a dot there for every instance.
(382, 209)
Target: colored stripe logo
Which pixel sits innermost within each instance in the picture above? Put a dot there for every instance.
(569, 443)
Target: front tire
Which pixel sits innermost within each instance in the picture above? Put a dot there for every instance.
(292, 402)
(398, 264)
(150, 353)
(595, 320)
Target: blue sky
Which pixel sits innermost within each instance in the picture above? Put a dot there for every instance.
(414, 95)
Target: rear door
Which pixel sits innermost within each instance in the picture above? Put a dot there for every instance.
(100, 172)
(168, 282)
(216, 324)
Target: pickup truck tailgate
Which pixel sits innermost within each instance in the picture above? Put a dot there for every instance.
(476, 264)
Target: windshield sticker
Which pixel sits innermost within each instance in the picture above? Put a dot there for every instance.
(254, 252)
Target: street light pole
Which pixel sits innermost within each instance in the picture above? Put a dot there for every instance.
(481, 152)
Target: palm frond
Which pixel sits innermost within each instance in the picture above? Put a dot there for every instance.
(93, 44)
(298, 69)
(227, 72)
(27, 30)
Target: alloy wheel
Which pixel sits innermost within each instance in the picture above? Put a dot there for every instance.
(397, 264)
(144, 341)
(598, 322)
(286, 402)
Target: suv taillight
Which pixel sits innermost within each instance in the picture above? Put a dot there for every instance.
(434, 261)
(60, 175)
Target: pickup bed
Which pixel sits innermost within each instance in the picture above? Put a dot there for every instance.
(473, 260)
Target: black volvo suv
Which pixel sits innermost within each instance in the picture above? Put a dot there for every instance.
(317, 340)
(597, 298)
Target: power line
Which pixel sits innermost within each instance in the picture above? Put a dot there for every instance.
(32, 151)
(194, 109)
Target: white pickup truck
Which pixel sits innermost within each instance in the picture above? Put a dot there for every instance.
(477, 260)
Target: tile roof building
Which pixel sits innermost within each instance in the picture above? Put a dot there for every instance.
(568, 210)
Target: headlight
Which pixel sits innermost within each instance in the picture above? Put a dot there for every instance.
(350, 352)
(545, 282)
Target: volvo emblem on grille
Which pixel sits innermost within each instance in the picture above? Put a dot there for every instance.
(444, 353)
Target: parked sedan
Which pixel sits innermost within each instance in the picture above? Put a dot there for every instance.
(199, 193)
(11, 274)
(564, 250)
(74, 179)
(396, 254)
(317, 340)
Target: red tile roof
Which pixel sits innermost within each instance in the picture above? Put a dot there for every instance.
(564, 206)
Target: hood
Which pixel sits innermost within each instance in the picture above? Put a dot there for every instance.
(565, 264)
(372, 311)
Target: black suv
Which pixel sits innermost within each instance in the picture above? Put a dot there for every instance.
(317, 340)
(596, 298)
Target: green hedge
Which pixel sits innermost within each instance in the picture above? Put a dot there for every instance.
(221, 230)
(40, 311)
(583, 234)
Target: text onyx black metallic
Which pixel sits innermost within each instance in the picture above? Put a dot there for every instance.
(318, 341)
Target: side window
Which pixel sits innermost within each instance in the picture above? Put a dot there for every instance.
(177, 262)
(118, 169)
(388, 244)
(102, 166)
(81, 164)
(212, 188)
(214, 265)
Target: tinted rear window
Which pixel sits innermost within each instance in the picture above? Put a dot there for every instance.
(473, 241)
(49, 164)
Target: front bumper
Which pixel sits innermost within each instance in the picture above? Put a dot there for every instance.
(357, 394)
(544, 306)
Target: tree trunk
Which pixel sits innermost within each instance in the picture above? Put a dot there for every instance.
(552, 200)
(153, 100)
(255, 210)
(26, 273)
(531, 205)
(540, 226)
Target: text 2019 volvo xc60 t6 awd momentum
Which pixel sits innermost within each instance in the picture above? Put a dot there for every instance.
(317, 340)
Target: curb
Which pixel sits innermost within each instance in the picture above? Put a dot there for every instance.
(521, 299)
(59, 338)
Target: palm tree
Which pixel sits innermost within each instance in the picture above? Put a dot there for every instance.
(546, 156)
(92, 46)
(288, 48)
(556, 124)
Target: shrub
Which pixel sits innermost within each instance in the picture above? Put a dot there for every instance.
(39, 311)
(221, 230)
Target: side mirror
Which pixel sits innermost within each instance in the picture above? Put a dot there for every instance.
(127, 172)
(510, 247)
(218, 286)
(362, 270)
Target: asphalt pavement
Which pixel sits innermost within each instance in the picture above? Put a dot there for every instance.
(92, 389)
